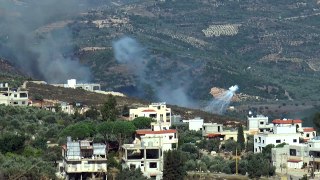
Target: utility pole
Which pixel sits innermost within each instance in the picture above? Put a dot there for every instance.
(236, 160)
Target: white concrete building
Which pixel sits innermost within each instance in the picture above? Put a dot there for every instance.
(158, 111)
(308, 133)
(13, 96)
(72, 83)
(287, 131)
(211, 128)
(195, 124)
(258, 123)
(305, 155)
(146, 152)
(83, 159)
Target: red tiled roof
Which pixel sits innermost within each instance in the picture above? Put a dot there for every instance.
(294, 160)
(213, 135)
(288, 121)
(149, 131)
(309, 129)
(149, 110)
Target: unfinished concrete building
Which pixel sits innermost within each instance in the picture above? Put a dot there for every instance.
(83, 160)
(13, 96)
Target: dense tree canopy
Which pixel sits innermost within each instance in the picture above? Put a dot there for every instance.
(173, 165)
(240, 138)
(109, 110)
(143, 122)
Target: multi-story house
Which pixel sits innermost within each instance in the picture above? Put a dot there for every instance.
(147, 150)
(214, 130)
(283, 131)
(304, 155)
(258, 123)
(13, 96)
(287, 131)
(158, 111)
(83, 159)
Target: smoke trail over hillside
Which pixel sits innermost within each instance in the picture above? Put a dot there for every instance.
(221, 103)
(42, 55)
(128, 51)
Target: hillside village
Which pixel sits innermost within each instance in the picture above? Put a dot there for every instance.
(142, 140)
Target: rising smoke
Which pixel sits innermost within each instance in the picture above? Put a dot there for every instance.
(220, 104)
(41, 55)
(128, 51)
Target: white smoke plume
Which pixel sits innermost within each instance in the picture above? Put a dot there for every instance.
(220, 104)
(42, 55)
(128, 51)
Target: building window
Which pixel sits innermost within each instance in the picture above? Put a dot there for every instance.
(294, 140)
(15, 95)
(256, 140)
(23, 95)
(132, 166)
(142, 163)
(278, 141)
(231, 138)
(256, 149)
(152, 165)
(174, 146)
(15, 102)
(261, 122)
(293, 152)
(170, 137)
(308, 135)
(263, 141)
(261, 130)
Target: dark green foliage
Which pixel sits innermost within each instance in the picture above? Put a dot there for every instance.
(14, 166)
(250, 143)
(259, 166)
(186, 136)
(240, 138)
(230, 145)
(190, 148)
(266, 151)
(109, 110)
(209, 145)
(173, 166)
(127, 174)
(79, 130)
(112, 162)
(11, 143)
(142, 122)
(316, 120)
(92, 113)
(123, 130)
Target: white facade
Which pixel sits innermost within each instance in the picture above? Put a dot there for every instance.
(195, 124)
(146, 156)
(157, 111)
(211, 128)
(146, 152)
(262, 140)
(14, 97)
(258, 123)
(72, 83)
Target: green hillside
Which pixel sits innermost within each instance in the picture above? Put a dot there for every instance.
(196, 45)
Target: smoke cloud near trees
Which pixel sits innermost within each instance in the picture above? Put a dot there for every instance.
(41, 53)
(128, 51)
